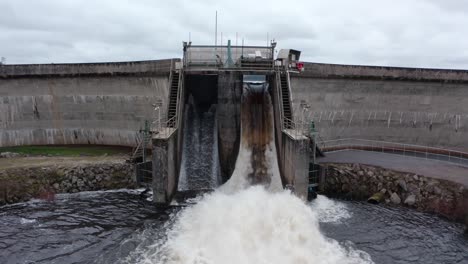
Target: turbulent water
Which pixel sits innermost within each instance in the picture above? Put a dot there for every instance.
(122, 227)
(247, 220)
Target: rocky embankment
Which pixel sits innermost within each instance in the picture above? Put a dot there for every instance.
(23, 178)
(426, 194)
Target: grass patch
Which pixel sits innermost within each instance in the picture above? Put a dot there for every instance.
(67, 150)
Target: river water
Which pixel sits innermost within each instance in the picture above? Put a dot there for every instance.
(248, 220)
(123, 227)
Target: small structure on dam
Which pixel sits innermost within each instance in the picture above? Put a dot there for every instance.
(209, 81)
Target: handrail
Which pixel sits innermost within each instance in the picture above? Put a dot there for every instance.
(166, 127)
(279, 97)
(394, 147)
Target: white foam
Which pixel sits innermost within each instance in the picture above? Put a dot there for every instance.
(89, 194)
(329, 211)
(250, 226)
(242, 224)
(25, 221)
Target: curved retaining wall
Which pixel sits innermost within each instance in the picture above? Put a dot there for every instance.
(91, 103)
(417, 106)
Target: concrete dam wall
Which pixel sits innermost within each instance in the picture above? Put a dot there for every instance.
(426, 107)
(92, 103)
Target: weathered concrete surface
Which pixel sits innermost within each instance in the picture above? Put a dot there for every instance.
(353, 102)
(166, 167)
(294, 160)
(80, 108)
(228, 118)
(152, 67)
(322, 70)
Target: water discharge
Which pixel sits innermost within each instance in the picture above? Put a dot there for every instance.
(257, 161)
(251, 226)
(200, 162)
(249, 219)
(122, 227)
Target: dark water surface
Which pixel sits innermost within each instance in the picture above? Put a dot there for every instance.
(117, 227)
(399, 235)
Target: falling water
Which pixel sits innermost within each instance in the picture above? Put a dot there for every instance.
(249, 219)
(257, 161)
(200, 163)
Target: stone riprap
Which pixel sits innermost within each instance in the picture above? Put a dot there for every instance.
(27, 182)
(425, 194)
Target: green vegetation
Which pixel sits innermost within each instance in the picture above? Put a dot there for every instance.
(66, 150)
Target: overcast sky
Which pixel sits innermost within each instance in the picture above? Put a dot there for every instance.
(414, 33)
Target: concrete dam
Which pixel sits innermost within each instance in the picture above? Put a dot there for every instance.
(201, 105)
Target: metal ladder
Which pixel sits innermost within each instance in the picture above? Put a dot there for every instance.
(285, 97)
(173, 98)
(143, 139)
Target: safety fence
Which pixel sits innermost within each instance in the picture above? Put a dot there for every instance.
(162, 126)
(251, 57)
(412, 150)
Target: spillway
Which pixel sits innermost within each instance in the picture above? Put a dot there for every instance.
(200, 162)
(257, 162)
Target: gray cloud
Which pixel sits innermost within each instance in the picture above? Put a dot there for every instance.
(419, 33)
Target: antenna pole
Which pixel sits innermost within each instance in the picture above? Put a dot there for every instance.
(216, 28)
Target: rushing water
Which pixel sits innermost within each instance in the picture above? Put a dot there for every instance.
(237, 223)
(122, 227)
(200, 149)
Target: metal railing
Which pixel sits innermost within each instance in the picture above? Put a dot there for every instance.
(162, 126)
(412, 150)
(255, 57)
(297, 128)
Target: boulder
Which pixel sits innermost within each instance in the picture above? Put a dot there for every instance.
(403, 185)
(410, 200)
(395, 199)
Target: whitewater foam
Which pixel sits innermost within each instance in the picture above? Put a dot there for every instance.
(250, 226)
(24, 221)
(329, 211)
(239, 223)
